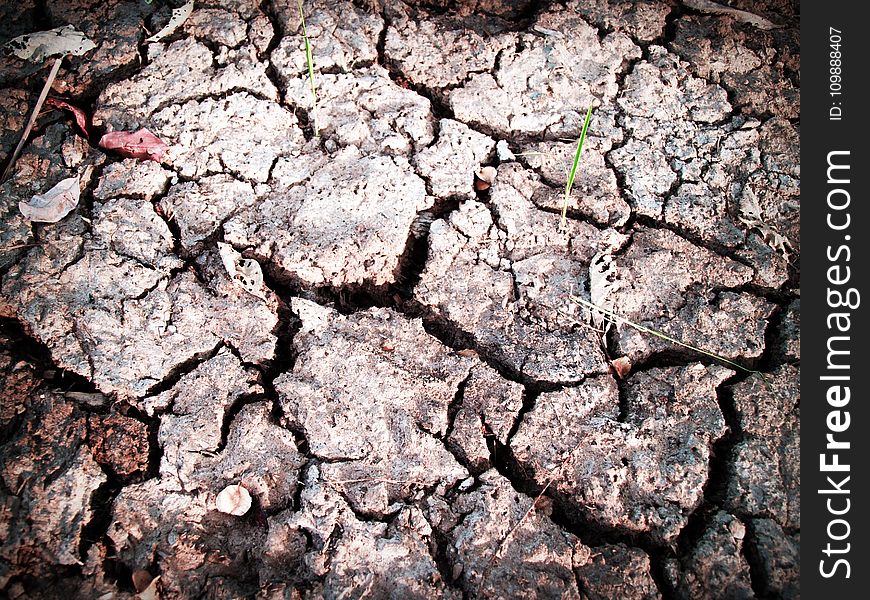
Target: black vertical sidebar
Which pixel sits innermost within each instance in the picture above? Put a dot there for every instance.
(835, 227)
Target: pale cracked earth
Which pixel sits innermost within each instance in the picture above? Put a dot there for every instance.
(414, 402)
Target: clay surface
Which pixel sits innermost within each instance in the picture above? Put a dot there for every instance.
(363, 307)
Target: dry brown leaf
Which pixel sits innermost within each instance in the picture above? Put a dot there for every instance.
(152, 592)
(621, 366)
(135, 144)
(53, 205)
(81, 117)
(709, 7)
(752, 216)
(141, 580)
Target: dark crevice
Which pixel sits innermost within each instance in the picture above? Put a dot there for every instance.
(352, 298)
(171, 224)
(155, 450)
(779, 296)
(116, 570)
(716, 487)
(101, 501)
(775, 338)
(25, 346)
(363, 516)
(181, 369)
(750, 554)
(566, 516)
(454, 337)
(453, 408)
(41, 15)
(711, 245)
(284, 357)
(296, 501)
(573, 215)
(565, 513)
(412, 262)
(346, 299)
(624, 404)
(676, 356)
(267, 7)
(666, 197)
(440, 108)
(215, 96)
(239, 402)
(439, 544)
(275, 78)
(530, 398)
(658, 570)
(381, 45)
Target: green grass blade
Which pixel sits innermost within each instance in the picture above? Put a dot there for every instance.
(616, 318)
(573, 172)
(310, 60)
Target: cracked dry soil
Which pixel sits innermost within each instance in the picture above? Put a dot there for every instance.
(416, 406)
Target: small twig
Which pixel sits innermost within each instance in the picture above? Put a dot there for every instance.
(372, 480)
(557, 471)
(42, 96)
(16, 247)
(619, 319)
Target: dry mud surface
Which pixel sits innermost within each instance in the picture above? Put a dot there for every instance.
(414, 403)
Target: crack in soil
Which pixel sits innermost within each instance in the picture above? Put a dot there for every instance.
(399, 296)
(181, 369)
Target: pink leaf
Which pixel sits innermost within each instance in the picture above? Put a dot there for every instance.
(135, 144)
(81, 117)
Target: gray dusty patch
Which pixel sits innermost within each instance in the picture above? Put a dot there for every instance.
(314, 301)
(643, 470)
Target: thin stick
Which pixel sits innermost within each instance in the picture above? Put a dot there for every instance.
(42, 96)
(16, 247)
(374, 480)
(615, 317)
(501, 546)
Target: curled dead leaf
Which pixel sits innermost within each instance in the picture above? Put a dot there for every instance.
(179, 16)
(621, 366)
(234, 500)
(715, 8)
(152, 592)
(81, 117)
(57, 42)
(244, 271)
(141, 580)
(53, 205)
(483, 178)
(135, 144)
